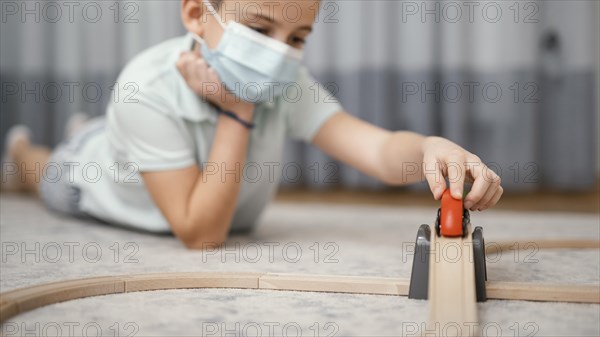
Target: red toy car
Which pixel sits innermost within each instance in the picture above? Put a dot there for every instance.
(452, 219)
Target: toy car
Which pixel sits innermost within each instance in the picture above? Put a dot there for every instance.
(452, 219)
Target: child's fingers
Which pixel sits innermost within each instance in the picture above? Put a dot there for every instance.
(494, 199)
(494, 186)
(478, 189)
(488, 195)
(484, 187)
(196, 73)
(183, 64)
(199, 69)
(200, 77)
(434, 176)
(191, 73)
(456, 174)
(186, 57)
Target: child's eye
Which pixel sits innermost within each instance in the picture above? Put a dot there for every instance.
(260, 30)
(298, 41)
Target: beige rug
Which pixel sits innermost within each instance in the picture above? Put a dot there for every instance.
(39, 247)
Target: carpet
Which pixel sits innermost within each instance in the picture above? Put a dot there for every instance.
(39, 247)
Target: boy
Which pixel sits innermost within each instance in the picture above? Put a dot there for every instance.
(172, 158)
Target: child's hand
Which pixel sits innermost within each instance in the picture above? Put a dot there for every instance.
(442, 158)
(205, 82)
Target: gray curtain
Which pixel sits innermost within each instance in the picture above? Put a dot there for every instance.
(513, 81)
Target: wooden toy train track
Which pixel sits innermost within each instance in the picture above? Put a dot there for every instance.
(25, 299)
(452, 287)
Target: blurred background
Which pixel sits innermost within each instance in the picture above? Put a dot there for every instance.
(515, 82)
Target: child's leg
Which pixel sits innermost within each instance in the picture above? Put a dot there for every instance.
(27, 160)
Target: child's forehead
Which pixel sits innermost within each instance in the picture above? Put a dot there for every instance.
(288, 10)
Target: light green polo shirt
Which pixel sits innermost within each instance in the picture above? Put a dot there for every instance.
(156, 123)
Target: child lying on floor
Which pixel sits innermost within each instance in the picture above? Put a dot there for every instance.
(173, 157)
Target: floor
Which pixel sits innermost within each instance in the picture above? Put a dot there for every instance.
(293, 237)
(541, 201)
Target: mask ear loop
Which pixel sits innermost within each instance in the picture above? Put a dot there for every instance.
(194, 42)
(197, 39)
(211, 9)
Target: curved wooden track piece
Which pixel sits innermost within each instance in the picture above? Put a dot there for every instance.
(25, 299)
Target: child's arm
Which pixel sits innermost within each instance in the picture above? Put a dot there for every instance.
(404, 157)
(198, 206)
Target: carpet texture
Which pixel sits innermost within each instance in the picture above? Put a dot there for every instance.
(39, 247)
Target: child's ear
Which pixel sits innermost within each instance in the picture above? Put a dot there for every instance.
(192, 16)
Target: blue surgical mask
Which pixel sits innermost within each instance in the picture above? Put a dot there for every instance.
(255, 67)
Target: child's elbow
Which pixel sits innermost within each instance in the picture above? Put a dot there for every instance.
(203, 238)
(204, 243)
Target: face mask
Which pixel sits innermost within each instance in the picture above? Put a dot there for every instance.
(255, 67)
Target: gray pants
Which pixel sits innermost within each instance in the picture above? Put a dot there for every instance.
(56, 188)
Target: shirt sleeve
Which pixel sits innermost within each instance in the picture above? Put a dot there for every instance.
(308, 110)
(143, 132)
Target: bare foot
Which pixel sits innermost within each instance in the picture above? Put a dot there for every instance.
(18, 139)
